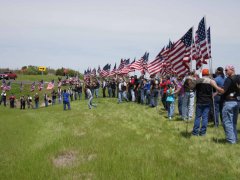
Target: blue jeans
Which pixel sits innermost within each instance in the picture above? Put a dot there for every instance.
(230, 116)
(80, 95)
(180, 98)
(36, 105)
(109, 92)
(202, 111)
(120, 95)
(148, 97)
(170, 108)
(96, 92)
(218, 109)
(133, 95)
(66, 103)
(154, 98)
(142, 96)
(46, 103)
(188, 105)
(90, 104)
(125, 95)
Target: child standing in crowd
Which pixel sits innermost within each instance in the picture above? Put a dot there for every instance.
(66, 100)
(170, 101)
(90, 97)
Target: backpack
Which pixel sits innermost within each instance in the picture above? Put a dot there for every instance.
(189, 84)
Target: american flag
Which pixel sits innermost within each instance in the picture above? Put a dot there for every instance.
(105, 70)
(201, 42)
(141, 64)
(40, 85)
(94, 72)
(113, 72)
(99, 70)
(50, 85)
(155, 66)
(180, 50)
(145, 63)
(6, 86)
(59, 83)
(121, 65)
(32, 87)
(127, 68)
(209, 43)
(3, 83)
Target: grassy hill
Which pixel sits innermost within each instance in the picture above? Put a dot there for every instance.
(112, 141)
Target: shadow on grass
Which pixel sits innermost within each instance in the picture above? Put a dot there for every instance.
(178, 119)
(185, 134)
(219, 141)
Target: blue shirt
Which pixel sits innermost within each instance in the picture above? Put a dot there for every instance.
(147, 86)
(220, 80)
(66, 97)
(170, 96)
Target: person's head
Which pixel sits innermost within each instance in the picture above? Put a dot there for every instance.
(229, 70)
(219, 71)
(64, 90)
(205, 72)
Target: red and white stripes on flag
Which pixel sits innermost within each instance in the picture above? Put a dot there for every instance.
(156, 65)
(181, 50)
(50, 85)
(201, 42)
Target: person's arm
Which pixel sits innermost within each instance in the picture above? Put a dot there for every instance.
(214, 84)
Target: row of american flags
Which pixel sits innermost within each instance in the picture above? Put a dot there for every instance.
(6, 86)
(175, 58)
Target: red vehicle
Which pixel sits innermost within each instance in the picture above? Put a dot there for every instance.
(8, 75)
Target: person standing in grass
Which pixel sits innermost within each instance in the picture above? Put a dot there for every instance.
(29, 101)
(36, 99)
(59, 92)
(3, 98)
(22, 102)
(46, 99)
(54, 97)
(66, 100)
(90, 98)
(204, 95)
(170, 99)
(230, 96)
(12, 100)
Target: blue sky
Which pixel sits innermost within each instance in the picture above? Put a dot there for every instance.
(80, 34)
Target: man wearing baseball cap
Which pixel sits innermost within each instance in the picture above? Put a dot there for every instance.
(204, 93)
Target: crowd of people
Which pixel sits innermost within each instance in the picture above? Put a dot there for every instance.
(215, 96)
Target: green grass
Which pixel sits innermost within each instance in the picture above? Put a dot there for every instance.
(125, 141)
(113, 141)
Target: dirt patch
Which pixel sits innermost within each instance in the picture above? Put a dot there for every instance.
(72, 158)
(79, 133)
(65, 159)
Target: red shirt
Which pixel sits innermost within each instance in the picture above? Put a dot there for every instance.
(164, 85)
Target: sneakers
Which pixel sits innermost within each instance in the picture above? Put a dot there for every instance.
(170, 118)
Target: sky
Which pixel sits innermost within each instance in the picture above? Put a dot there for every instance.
(79, 34)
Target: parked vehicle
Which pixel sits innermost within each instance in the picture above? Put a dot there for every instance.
(8, 75)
